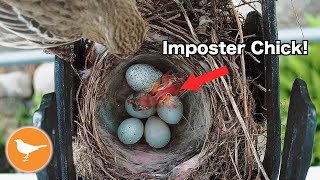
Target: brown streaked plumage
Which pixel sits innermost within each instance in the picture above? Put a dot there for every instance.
(49, 23)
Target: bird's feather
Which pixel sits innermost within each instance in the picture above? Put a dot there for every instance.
(116, 24)
(21, 31)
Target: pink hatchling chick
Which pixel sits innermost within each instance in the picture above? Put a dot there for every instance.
(142, 101)
(171, 84)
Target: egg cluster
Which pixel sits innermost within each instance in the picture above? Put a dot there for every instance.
(145, 103)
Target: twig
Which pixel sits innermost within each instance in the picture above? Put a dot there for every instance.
(148, 5)
(296, 16)
(259, 86)
(173, 17)
(243, 68)
(243, 125)
(243, 65)
(250, 4)
(167, 31)
(252, 56)
(188, 20)
(235, 166)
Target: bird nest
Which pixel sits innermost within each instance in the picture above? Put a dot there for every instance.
(218, 136)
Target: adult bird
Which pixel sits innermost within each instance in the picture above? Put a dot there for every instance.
(53, 24)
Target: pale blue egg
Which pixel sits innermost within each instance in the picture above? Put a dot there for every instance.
(141, 113)
(141, 77)
(172, 111)
(130, 131)
(157, 133)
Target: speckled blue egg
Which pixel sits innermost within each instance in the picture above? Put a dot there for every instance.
(139, 114)
(171, 111)
(157, 133)
(141, 77)
(130, 131)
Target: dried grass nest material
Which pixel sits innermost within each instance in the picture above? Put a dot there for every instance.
(217, 137)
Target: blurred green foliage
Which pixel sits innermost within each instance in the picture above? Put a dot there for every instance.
(24, 116)
(314, 21)
(4, 165)
(25, 113)
(307, 68)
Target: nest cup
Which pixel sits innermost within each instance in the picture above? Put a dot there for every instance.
(187, 136)
(214, 139)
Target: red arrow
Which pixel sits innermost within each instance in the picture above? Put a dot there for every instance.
(193, 83)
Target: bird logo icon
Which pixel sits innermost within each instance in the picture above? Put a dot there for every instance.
(26, 149)
(29, 149)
